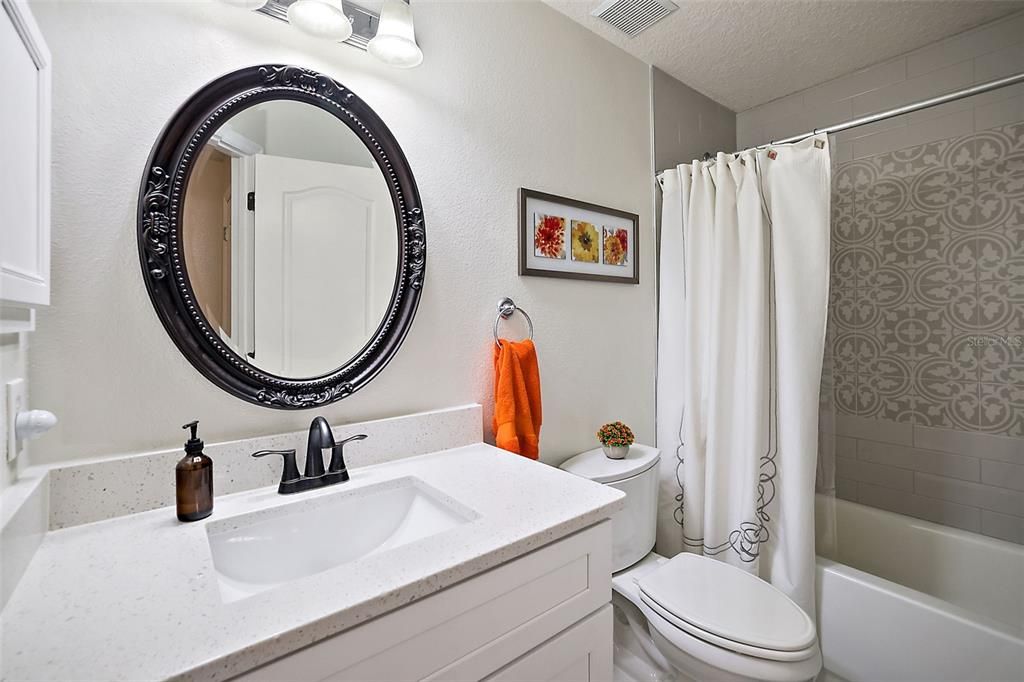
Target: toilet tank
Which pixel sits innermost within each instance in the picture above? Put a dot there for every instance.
(633, 528)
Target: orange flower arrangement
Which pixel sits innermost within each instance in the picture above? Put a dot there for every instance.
(615, 435)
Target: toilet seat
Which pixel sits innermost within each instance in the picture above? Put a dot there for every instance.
(680, 630)
(711, 600)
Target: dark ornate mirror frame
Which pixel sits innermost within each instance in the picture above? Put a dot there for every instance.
(161, 200)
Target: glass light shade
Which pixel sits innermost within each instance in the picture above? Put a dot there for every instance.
(395, 42)
(246, 4)
(320, 18)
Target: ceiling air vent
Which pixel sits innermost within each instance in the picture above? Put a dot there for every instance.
(633, 16)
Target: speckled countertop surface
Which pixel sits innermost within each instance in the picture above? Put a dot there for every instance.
(137, 597)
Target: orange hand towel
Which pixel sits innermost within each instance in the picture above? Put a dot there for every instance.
(517, 413)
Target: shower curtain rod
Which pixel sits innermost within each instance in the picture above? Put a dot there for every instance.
(898, 111)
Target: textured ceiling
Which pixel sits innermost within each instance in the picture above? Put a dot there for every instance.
(743, 53)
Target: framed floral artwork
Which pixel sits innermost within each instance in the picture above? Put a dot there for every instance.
(570, 239)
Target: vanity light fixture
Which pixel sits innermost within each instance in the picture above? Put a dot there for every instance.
(321, 19)
(395, 42)
(388, 36)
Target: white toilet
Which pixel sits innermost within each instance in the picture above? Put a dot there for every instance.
(707, 620)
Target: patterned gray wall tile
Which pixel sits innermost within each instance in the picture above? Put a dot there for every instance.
(927, 329)
(1002, 409)
(883, 397)
(1000, 358)
(845, 393)
(844, 266)
(931, 240)
(1001, 306)
(948, 404)
(1001, 254)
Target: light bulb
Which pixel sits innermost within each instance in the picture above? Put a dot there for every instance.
(395, 42)
(320, 19)
(245, 4)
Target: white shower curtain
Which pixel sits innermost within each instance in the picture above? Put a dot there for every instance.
(743, 296)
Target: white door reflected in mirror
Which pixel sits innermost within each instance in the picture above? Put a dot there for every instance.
(290, 239)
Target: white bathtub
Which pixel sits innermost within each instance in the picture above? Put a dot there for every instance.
(904, 599)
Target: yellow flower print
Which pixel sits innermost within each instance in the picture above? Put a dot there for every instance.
(586, 247)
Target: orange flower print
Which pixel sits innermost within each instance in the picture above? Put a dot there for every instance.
(616, 245)
(549, 236)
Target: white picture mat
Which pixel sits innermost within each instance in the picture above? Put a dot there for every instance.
(598, 219)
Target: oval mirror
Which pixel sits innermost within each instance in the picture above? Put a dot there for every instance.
(281, 237)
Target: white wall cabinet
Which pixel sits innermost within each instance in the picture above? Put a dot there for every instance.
(542, 616)
(24, 160)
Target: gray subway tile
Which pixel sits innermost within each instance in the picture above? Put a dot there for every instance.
(928, 461)
(978, 495)
(876, 474)
(937, 511)
(983, 445)
(883, 430)
(846, 447)
(846, 489)
(1002, 526)
(1002, 474)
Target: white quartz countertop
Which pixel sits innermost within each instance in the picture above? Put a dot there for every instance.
(137, 597)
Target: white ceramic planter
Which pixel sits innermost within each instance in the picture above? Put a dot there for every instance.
(619, 452)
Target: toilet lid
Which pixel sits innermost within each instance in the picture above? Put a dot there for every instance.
(729, 603)
(593, 464)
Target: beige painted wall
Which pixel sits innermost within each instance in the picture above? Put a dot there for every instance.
(509, 95)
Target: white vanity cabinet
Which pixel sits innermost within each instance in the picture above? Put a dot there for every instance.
(24, 161)
(544, 615)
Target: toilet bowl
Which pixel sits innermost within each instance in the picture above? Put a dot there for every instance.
(697, 617)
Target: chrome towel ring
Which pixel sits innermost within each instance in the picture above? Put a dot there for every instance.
(506, 307)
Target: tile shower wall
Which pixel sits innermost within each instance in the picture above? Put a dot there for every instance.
(927, 325)
(929, 281)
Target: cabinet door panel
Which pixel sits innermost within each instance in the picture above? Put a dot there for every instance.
(24, 159)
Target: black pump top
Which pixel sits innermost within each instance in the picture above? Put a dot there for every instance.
(194, 444)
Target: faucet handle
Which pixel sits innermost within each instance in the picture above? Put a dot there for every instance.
(291, 471)
(338, 454)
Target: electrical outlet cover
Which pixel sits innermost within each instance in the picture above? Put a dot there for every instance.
(16, 402)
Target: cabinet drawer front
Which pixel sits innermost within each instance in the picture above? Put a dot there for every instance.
(581, 653)
(471, 629)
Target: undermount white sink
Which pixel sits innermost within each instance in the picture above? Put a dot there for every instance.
(267, 548)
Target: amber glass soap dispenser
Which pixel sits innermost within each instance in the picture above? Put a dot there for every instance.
(194, 479)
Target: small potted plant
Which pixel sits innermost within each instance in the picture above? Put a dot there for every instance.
(615, 438)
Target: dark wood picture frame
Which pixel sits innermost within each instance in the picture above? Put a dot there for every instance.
(526, 227)
(159, 232)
